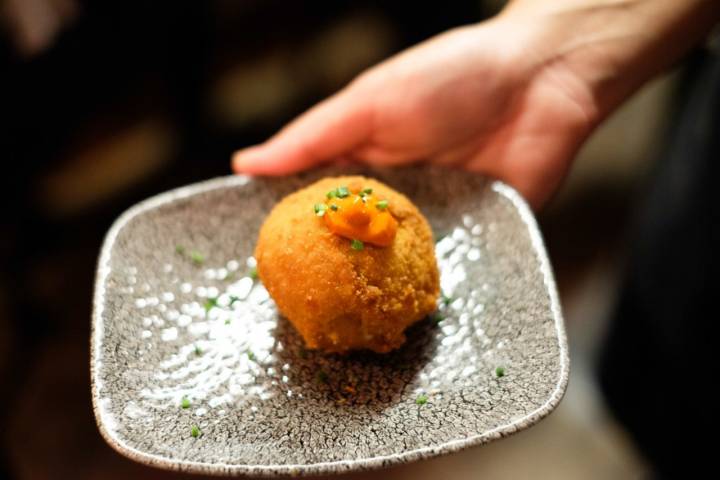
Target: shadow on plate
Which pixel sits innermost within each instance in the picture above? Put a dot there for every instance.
(375, 381)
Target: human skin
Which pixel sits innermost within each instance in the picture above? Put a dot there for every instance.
(514, 97)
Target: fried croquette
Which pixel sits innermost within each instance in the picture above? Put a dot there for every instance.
(344, 293)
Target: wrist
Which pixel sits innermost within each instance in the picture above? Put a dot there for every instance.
(604, 50)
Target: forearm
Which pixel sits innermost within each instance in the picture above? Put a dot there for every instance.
(614, 46)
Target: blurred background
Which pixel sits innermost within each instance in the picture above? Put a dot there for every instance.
(106, 103)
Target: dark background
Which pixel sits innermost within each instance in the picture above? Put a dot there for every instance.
(126, 99)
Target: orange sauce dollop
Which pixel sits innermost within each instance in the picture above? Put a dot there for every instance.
(358, 217)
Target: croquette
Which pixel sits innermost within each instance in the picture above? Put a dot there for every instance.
(343, 293)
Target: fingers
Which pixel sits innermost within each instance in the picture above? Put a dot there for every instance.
(331, 129)
(378, 156)
(533, 165)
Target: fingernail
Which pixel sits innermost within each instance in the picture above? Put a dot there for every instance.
(235, 162)
(240, 160)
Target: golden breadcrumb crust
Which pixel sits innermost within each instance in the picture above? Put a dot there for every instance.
(340, 299)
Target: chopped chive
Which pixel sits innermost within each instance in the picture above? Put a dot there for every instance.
(233, 299)
(198, 351)
(180, 249)
(197, 257)
(334, 207)
(322, 377)
(331, 194)
(357, 245)
(227, 321)
(253, 273)
(185, 402)
(210, 303)
(320, 209)
(230, 277)
(500, 372)
(251, 356)
(342, 192)
(446, 300)
(437, 318)
(195, 431)
(421, 399)
(366, 191)
(381, 205)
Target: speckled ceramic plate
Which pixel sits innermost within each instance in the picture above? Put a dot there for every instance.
(193, 369)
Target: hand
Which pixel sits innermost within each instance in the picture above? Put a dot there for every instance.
(470, 97)
(512, 97)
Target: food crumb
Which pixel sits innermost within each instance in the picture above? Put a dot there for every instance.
(197, 257)
(210, 303)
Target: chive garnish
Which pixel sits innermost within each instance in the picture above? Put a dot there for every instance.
(500, 372)
(253, 273)
(357, 245)
(227, 321)
(331, 194)
(198, 351)
(185, 402)
(421, 399)
(197, 257)
(180, 249)
(251, 356)
(381, 205)
(320, 209)
(342, 192)
(437, 318)
(210, 303)
(366, 191)
(195, 431)
(446, 300)
(334, 207)
(233, 299)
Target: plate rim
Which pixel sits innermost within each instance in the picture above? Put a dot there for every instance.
(104, 422)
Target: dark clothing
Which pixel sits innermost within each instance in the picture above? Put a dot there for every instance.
(659, 368)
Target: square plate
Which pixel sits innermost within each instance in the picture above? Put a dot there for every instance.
(185, 340)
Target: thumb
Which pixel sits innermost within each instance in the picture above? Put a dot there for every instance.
(330, 129)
